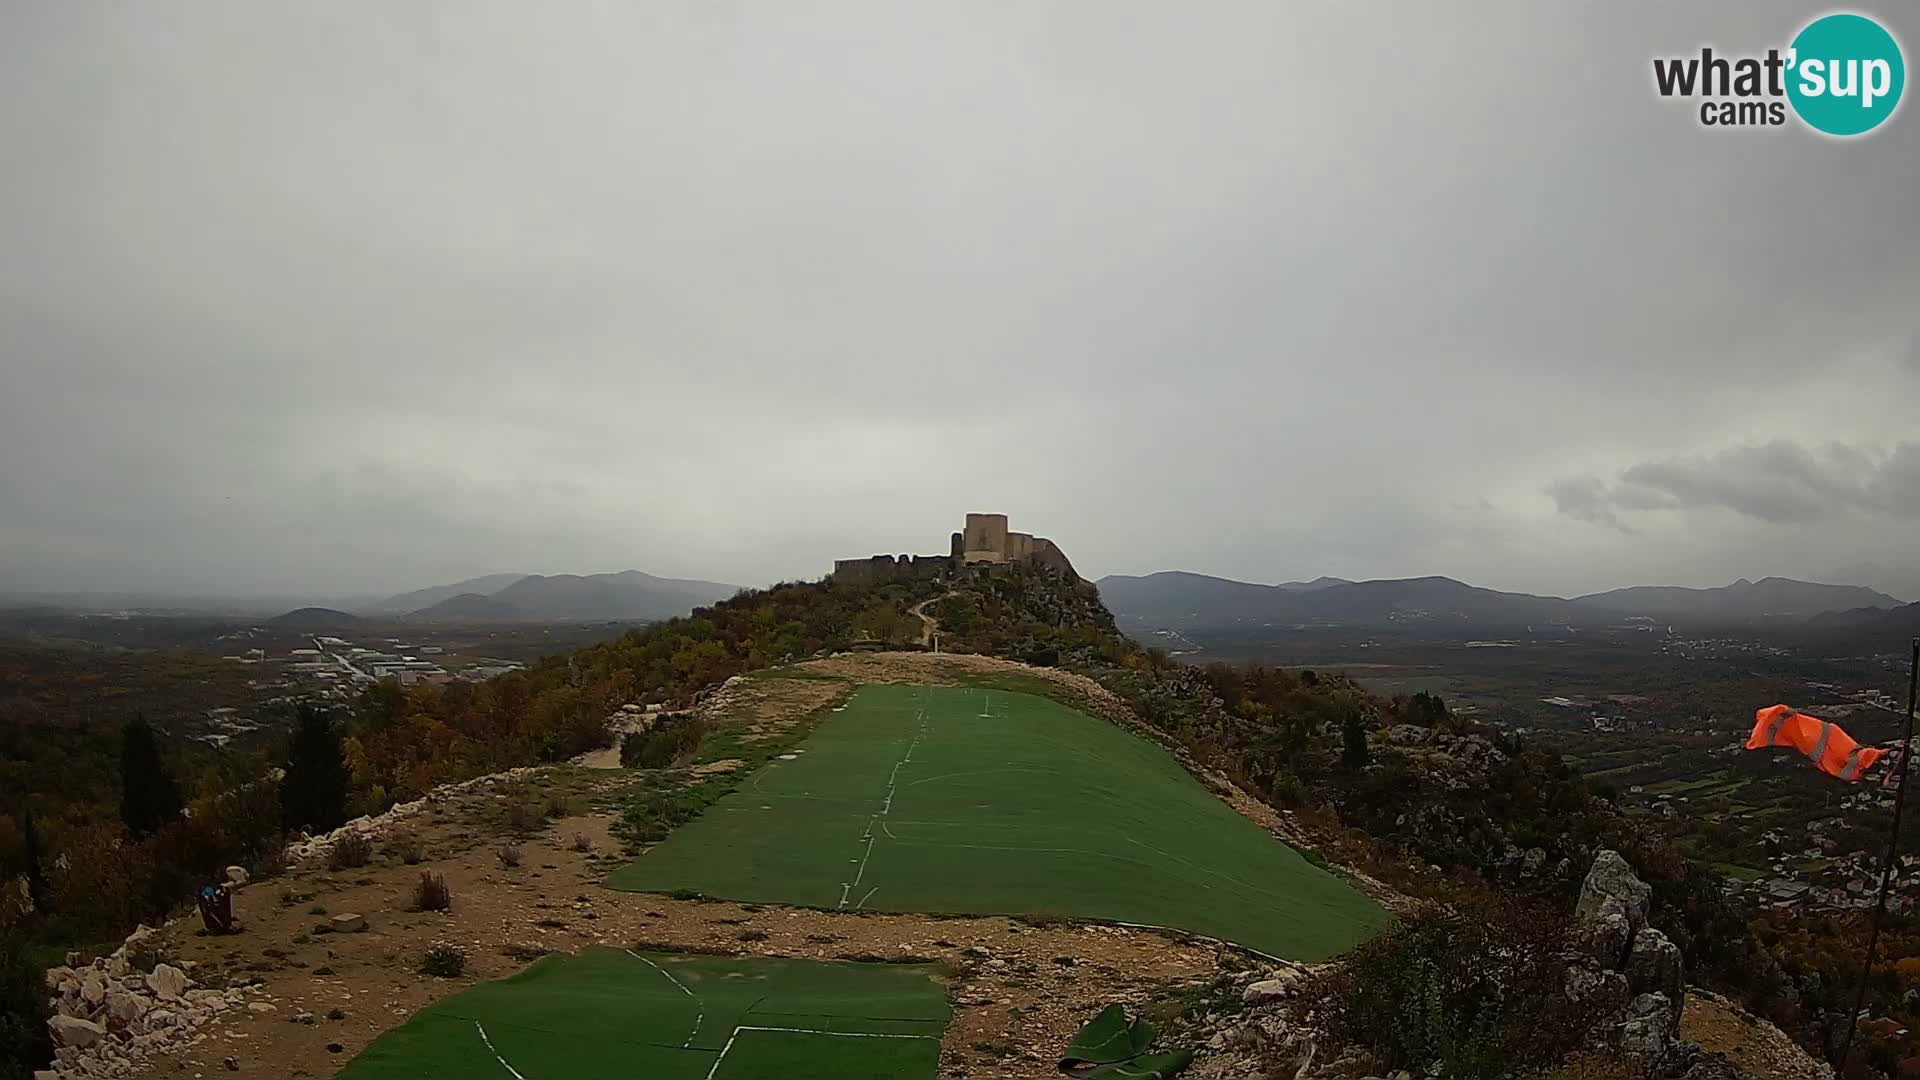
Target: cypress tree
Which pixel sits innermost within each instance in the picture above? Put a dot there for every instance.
(36, 868)
(1353, 737)
(313, 794)
(149, 799)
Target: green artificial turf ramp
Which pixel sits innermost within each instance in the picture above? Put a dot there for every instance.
(961, 800)
(615, 1013)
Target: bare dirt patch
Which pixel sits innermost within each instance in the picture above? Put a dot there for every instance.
(1754, 1045)
(768, 706)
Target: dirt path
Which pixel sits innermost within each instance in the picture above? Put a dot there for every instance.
(929, 625)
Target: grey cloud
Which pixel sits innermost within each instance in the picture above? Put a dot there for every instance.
(362, 296)
(1584, 498)
(1781, 482)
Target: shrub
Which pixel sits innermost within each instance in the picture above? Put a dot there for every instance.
(650, 817)
(753, 935)
(582, 842)
(444, 961)
(351, 850)
(407, 849)
(522, 818)
(557, 806)
(672, 738)
(100, 888)
(509, 856)
(430, 893)
(1477, 990)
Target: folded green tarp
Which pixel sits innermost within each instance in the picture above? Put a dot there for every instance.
(1112, 1048)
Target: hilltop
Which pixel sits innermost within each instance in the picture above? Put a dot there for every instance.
(315, 618)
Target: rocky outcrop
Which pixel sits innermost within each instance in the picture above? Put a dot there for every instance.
(1634, 979)
(1655, 966)
(109, 1018)
(1612, 881)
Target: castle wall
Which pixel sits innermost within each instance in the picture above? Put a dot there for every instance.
(880, 569)
(1047, 553)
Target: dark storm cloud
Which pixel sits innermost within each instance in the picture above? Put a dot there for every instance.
(360, 296)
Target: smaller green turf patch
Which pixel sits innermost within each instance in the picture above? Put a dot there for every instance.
(674, 1016)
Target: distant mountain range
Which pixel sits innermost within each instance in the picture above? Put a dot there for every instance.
(627, 596)
(409, 602)
(1766, 598)
(1181, 600)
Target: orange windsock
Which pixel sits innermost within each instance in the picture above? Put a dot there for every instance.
(1833, 750)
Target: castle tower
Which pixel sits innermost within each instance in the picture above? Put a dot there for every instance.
(985, 539)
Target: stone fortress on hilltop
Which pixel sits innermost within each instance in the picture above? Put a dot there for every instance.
(984, 546)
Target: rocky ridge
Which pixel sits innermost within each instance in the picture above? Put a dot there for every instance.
(1623, 971)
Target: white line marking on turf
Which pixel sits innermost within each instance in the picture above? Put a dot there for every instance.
(836, 1034)
(699, 1017)
(802, 1031)
(864, 899)
(886, 807)
(496, 1053)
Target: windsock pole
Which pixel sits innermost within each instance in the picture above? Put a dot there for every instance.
(1886, 866)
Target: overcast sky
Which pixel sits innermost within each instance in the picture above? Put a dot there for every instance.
(359, 297)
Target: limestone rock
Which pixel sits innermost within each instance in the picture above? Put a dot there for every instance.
(1607, 935)
(1647, 1033)
(1266, 991)
(167, 981)
(1533, 860)
(260, 1007)
(74, 1032)
(125, 1007)
(1598, 992)
(349, 923)
(237, 876)
(1656, 966)
(93, 988)
(1612, 878)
